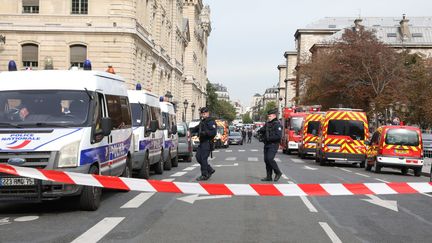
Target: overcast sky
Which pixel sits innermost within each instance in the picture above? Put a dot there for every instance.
(249, 37)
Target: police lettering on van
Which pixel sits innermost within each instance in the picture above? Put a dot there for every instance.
(79, 121)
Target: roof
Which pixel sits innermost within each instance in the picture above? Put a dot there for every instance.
(344, 22)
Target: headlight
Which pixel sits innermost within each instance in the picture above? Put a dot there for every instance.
(69, 155)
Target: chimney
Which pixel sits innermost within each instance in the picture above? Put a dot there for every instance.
(404, 28)
(358, 24)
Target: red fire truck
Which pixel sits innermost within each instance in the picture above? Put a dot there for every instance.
(292, 122)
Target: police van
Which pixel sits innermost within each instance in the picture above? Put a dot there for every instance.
(147, 137)
(75, 121)
(170, 143)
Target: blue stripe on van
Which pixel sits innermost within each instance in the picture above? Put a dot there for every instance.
(103, 155)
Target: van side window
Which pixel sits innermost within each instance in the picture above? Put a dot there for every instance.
(119, 111)
(172, 120)
(165, 121)
(156, 115)
(375, 138)
(125, 111)
(97, 116)
(146, 117)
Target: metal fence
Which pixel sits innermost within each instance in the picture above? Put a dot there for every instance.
(427, 143)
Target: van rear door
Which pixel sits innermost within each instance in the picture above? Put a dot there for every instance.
(402, 142)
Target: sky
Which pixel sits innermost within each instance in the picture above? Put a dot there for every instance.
(249, 37)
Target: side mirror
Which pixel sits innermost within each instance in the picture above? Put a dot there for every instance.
(106, 125)
(154, 125)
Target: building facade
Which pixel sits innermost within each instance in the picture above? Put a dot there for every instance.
(146, 42)
(290, 78)
(221, 92)
(412, 34)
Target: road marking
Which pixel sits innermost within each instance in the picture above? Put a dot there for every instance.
(192, 198)
(253, 159)
(178, 174)
(285, 177)
(345, 170)
(137, 201)
(169, 179)
(189, 168)
(360, 174)
(196, 165)
(233, 165)
(26, 218)
(216, 151)
(330, 233)
(310, 168)
(381, 180)
(4, 221)
(277, 160)
(242, 150)
(231, 158)
(254, 150)
(228, 151)
(306, 202)
(389, 204)
(425, 194)
(98, 231)
(298, 161)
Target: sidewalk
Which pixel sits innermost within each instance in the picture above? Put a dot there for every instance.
(427, 167)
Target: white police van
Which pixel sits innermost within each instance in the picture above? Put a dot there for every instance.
(170, 143)
(76, 121)
(147, 137)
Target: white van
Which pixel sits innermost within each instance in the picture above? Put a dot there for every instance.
(169, 127)
(147, 137)
(76, 121)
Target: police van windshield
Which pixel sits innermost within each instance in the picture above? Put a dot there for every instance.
(402, 137)
(43, 108)
(353, 129)
(313, 127)
(296, 123)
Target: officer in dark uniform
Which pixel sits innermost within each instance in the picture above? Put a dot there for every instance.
(271, 134)
(206, 131)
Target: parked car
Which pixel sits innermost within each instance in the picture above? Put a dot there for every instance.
(235, 138)
(184, 143)
(397, 147)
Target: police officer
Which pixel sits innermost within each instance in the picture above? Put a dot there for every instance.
(206, 131)
(271, 135)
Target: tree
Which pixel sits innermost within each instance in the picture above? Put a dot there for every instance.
(247, 118)
(212, 98)
(225, 110)
(354, 71)
(269, 106)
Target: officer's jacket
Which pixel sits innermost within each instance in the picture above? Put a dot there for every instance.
(271, 132)
(206, 130)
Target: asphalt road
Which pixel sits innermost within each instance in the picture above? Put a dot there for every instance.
(157, 217)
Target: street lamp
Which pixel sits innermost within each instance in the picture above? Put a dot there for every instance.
(193, 110)
(185, 104)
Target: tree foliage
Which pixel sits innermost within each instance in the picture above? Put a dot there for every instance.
(359, 71)
(219, 108)
(247, 118)
(269, 106)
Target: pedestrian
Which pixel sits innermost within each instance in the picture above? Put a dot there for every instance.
(271, 134)
(243, 135)
(206, 131)
(249, 134)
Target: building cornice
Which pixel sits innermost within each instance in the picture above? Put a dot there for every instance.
(290, 53)
(315, 31)
(280, 66)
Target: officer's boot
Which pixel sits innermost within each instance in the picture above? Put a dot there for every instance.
(268, 178)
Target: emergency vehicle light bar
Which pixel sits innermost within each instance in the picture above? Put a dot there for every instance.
(138, 86)
(12, 66)
(87, 65)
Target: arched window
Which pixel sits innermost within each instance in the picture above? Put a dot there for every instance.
(78, 54)
(30, 55)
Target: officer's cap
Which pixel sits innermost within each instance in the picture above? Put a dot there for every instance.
(272, 111)
(204, 109)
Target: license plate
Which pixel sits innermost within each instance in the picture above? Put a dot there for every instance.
(334, 147)
(17, 181)
(399, 151)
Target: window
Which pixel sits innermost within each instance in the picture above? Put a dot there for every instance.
(118, 111)
(30, 6)
(182, 132)
(353, 129)
(296, 123)
(156, 115)
(313, 127)
(78, 54)
(79, 6)
(403, 137)
(30, 53)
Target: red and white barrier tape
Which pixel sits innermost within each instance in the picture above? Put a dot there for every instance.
(220, 189)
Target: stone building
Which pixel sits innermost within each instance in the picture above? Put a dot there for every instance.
(413, 34)
(290, 78)
(221, 92)
(150, 42)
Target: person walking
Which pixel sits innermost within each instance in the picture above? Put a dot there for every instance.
(206, 131)
(249, 134)
(271, 134)
(243, 133)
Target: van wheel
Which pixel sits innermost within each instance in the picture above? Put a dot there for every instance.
(417, 171)
(322, 161)
(368, 167)
(188, 159)
(377, 167)
(144, 172)
(158, 167)
(174, 161)
(302, 155)
(168, 165)
(127, 172)
(404, 170)
(91, 196)
(362, 164)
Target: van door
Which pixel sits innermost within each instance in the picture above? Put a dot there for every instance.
(100, 143)
(121, 134)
